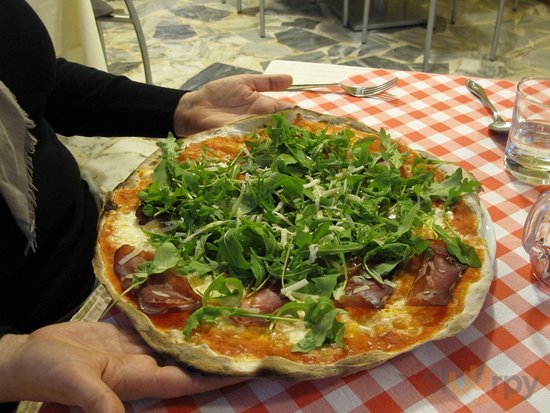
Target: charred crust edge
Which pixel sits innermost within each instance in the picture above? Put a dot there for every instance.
(110, 206)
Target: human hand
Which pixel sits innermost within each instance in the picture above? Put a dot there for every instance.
(91, 365)
(228, 100)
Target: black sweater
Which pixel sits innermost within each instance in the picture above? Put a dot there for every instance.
(69, 99)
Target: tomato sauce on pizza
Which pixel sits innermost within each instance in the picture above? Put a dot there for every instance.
(300, 244)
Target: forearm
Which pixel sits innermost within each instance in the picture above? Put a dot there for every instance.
(90, 102)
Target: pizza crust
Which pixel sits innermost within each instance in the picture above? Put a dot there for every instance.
(201, 357)
(172, 344)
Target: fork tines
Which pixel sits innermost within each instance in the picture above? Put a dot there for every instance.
(380, 88)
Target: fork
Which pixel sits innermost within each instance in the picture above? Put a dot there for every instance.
(357, 91)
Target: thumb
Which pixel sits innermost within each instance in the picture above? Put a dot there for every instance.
(94, 396)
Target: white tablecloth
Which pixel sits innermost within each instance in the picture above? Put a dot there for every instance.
(73, 30)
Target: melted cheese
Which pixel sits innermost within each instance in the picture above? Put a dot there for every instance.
(293, 331)
(199, 284)
(126, 230)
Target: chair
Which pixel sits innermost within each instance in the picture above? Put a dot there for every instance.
(239, 5)
(430, 26)
(103, 12)
(262, 13)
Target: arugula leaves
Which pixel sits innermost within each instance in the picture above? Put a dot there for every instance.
(464, 253)
(296, 209)
(452, 187)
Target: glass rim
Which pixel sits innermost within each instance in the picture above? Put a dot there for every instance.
(531, 99)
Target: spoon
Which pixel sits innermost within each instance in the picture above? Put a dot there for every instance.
(498, 125)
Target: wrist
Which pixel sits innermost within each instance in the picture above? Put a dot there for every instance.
(9, 347)
(7, 330)
(183, 114)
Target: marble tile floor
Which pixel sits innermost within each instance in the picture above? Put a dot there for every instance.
(192, 42)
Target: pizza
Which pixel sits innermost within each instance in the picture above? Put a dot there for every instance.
(295, 244)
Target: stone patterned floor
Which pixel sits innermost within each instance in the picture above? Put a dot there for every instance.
(191, 42)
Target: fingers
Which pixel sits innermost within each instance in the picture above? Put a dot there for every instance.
(207, 383)
(184, 383)
(144, 378)
(279, 105)
(270, 83)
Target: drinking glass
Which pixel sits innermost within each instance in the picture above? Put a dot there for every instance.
(527, 154)
(536, 240)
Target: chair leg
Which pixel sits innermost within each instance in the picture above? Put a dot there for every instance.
(262, 18)
(515, 5)
(101, 39)
(453, 12)
(429, 33)
(239, 5)
(366, 10)
(345, 13)
(141, 40)
(496, 34)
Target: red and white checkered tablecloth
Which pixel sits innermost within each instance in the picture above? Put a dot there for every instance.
(499, 363)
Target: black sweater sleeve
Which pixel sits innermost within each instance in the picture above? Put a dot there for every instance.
(89, 102)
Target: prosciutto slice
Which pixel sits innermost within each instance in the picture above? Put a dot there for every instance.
(127, 262)
(437, 277)
(161, 293)
(265, 301)
(363, 292)
(167, 292)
